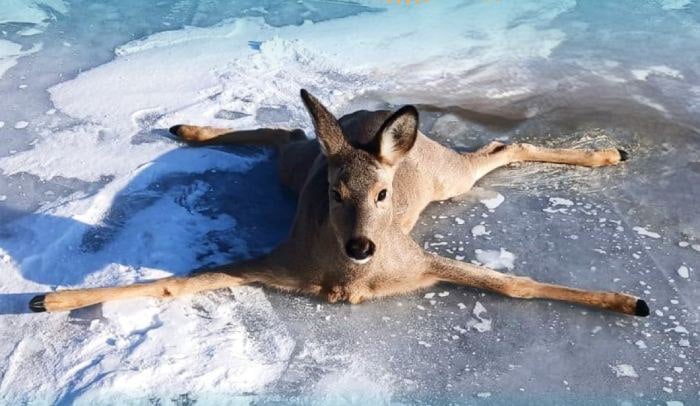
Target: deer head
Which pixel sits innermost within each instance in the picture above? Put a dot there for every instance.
(360, 178)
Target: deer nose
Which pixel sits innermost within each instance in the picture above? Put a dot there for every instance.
(360, 249)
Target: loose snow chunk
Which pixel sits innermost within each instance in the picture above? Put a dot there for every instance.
(646, 233)
(459, 220)
(21, 125)
(683, 272)
(495, 259)
(624, 370)
(679, 329)
(479, 230)
(493, 202)
(659, 70)
(480, 324)
(560, 201)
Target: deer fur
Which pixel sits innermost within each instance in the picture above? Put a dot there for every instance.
(362, 184)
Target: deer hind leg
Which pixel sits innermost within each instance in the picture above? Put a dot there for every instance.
(227, 136)
(496, 155)
(256, 271)
(447, 270)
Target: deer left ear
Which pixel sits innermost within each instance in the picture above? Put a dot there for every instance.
(397, 136)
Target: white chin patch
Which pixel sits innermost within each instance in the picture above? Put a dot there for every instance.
(360, 261)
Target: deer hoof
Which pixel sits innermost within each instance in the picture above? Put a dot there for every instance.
(37, 304)
(174, 130)
(641, 309)
(624, 155)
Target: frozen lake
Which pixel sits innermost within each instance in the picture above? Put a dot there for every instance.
(94, 192)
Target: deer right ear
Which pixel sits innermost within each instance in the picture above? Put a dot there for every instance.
(396, 136)
(328, 130)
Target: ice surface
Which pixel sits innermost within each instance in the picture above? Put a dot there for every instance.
(94, 192)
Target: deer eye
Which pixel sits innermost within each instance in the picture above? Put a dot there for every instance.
(337, 197)
(382, 195)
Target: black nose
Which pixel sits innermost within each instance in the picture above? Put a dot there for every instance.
(360, 248)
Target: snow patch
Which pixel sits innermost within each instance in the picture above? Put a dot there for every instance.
(624, 370)
(21, 12)
(560, 201)
(646, 233)
(479, 230)
(674, 4)
(492, 203)
(30, 11)
(480, 323)
(354, 385)
(20, 125)
(495, 259)
(661, 70)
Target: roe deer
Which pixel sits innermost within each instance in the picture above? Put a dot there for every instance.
(362, 183)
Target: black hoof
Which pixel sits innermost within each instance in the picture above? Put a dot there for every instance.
(641, 309)
(37, 304)
(173, 130)
(624, 155)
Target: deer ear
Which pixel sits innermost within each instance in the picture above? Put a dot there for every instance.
(396, 136)
(328, 130)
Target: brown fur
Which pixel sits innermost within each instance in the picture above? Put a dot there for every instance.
(357, 159)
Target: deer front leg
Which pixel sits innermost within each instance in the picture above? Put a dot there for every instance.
(447, 270)
(255, 271)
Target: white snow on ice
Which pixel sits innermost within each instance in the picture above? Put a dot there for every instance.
(624, 370)
(479, 323)
(32, 12)
(661, 70)
(674, 4)
(492, 203)
(560, 201)
(479, 230)
(496, 259)
(646, 233)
